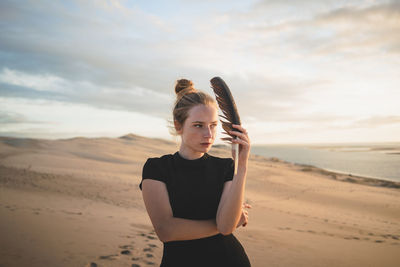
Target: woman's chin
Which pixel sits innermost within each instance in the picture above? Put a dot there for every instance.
(205, 149)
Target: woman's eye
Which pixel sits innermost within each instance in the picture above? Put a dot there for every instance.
(199, 125)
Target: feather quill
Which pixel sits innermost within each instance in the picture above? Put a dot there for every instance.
(230, 113)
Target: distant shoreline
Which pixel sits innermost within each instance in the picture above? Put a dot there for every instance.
(338, 175)
(372, 161)
(352, 178)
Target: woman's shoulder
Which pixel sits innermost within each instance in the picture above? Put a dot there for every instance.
(156, 166)
(162, 158)
(220, 159)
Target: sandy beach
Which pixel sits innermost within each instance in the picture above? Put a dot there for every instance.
(76, 202)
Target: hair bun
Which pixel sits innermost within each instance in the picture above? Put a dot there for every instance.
(184, 85)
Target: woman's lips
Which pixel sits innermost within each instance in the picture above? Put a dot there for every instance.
(205, 144)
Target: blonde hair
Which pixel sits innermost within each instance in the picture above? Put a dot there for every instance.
(186, 98)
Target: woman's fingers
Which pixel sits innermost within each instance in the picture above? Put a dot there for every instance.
(243, 219)
(243, 136)
(242, 130)
(242, 139)
(239, 141)
(246, 220)
(246, 205)
(239, 127)
(245, 214)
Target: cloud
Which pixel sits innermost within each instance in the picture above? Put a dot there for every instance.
(108, 56)
(37, 82)
(15, 118)
(360, 30)
(76, 43)
(350, 28)
(20, 84)
(377, 121)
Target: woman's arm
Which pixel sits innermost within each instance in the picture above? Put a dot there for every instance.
(167, 227)
(230, 207)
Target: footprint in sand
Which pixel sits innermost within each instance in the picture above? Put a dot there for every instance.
(388, 236)
(10, 208)
(142, 255)
(109, 257)
(126, 252)
(126, 247)
(149, 249)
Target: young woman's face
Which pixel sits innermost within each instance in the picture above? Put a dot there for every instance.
(199, 130)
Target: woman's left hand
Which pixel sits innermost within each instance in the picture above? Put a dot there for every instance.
(244, 142)
(244, 217)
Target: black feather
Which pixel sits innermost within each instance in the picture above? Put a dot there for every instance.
(227, 105)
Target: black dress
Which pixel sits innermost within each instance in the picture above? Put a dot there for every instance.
(194, 190)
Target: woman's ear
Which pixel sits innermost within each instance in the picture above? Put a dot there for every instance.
(178, 127)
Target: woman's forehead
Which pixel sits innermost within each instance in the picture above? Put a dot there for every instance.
(204, 121)
(202, 113)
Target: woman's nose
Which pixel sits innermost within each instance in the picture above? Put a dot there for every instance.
(208, 132)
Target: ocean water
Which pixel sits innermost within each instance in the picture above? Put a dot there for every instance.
(380, 160)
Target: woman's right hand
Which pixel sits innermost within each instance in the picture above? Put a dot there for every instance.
(244, 217)
(244, 143)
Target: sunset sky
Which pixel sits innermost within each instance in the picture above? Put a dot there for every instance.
(306, 71)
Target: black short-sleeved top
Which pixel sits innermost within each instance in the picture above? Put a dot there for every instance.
(194, 190)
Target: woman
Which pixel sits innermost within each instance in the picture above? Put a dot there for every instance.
(193, 199)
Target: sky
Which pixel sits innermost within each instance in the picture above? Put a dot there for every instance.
(306, 71)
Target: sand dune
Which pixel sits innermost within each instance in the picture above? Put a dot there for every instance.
(76, 202)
